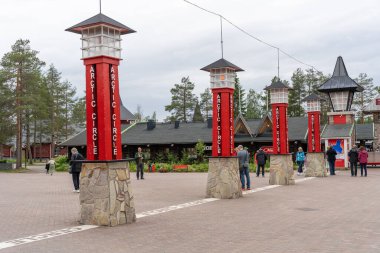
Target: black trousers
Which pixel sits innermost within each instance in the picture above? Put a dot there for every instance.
(140, 169)
(258, 169)
(354, 172)
(76, 180)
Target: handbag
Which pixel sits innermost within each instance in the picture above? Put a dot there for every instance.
(246, 165)
(70, 169)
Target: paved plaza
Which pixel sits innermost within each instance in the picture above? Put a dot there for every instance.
(334, 214)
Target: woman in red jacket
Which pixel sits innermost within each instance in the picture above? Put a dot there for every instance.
(363, 160)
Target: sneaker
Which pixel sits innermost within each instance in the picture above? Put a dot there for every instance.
(243, 189)
(77, 191)
(248, 189)
(74, 190)
(142, 178)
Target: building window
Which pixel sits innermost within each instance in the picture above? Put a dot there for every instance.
(339, 100)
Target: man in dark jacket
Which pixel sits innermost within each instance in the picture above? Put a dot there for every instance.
(353, 155)
(261, 159)
(76, 167)
(139, 156)
(331, 157)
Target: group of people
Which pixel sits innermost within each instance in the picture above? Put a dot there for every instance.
(243, 156)
(358, 156)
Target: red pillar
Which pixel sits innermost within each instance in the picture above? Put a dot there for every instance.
(103, 108)
(280, 128)
(223, 122)
(314, 132)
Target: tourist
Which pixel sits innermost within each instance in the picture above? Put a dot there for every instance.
(363, 160)
(51, 166)
(243, 156)
(300, 160)
(75, 167)
(139, 156)
(261, 159)
(353, 155)
(331, 157)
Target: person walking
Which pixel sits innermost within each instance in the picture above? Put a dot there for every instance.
(353, 155)
(261, 159)
(331, 157)
(300, 160)
(139, 157)
(243, 156)
(76, 167)
(51, 166)
(363, 160)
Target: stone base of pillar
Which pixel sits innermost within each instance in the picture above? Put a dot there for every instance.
(315, 165)
(223, 180)
(281, 170)
(106, 196)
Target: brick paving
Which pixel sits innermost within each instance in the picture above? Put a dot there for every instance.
(334, 214)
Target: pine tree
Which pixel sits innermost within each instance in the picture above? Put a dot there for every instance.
(206, 103)
(296, 95)
(361, 99)
(254, 105)
(239, 101)
(197, 117)
(183, 100)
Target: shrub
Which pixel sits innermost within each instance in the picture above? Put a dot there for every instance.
(61, 163)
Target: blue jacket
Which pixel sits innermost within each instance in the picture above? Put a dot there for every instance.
(300, 156)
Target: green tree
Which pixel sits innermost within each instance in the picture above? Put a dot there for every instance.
(197, 117)
(20, 68)
(239, 101)
(183, 100)
(200, 150)
(296, 95)
(206, 103)
(78, 115)
(254, 105)
(7, 124)
(365, 97)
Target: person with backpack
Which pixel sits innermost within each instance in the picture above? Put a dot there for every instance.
(261, 159)
(353, 155)
(300, 160)
(331, 157)
(243, 156)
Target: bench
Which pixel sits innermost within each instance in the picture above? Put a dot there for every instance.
(180, 167)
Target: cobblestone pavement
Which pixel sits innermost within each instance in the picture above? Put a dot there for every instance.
(334, 214)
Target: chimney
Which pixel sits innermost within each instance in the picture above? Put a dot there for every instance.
(151, 124)
(209, 122)
(176, 124)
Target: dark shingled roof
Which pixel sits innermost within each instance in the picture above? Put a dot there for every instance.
(337, 131)
(221, 63)
(165, 133)
(365, 131)
(340, 80)
(311, 97)
(125, 114)
(297, 127)
(254, 125)
(100, 19)
(278, 85)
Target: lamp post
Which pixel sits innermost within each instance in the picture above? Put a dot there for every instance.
(281, 164)
(104, 174)
(221, 184)
(279, 93)
(340, 89)
(101, 54)
(222, 80)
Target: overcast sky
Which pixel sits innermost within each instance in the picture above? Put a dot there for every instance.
(175, 39)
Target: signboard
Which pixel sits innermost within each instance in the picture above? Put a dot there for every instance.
(267, 149)
(93, 111)
(114, 116)
(377, 101)
(231, 124)
(277, 128)
(312, 133)
(338, 146)
(219, 123)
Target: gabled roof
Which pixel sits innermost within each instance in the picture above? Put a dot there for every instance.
(311, 97)
(365, 131)
(373, 106)
(337, 131)
(221, 63)
(100, 19)
(278, 85)
(240, 119)
(340, 80)
(125, 114)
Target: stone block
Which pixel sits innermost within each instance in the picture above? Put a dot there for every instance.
(223, 178)
(315, 165)
(281, 170)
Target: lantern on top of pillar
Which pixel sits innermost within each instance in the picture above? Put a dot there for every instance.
(313, 109)
(222, 80)
(101, 54)
(279, 93)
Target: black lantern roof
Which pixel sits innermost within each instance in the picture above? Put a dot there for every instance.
(312, 97)
(97, 20)
(340, 80)
(221, 63)
(278, 85)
